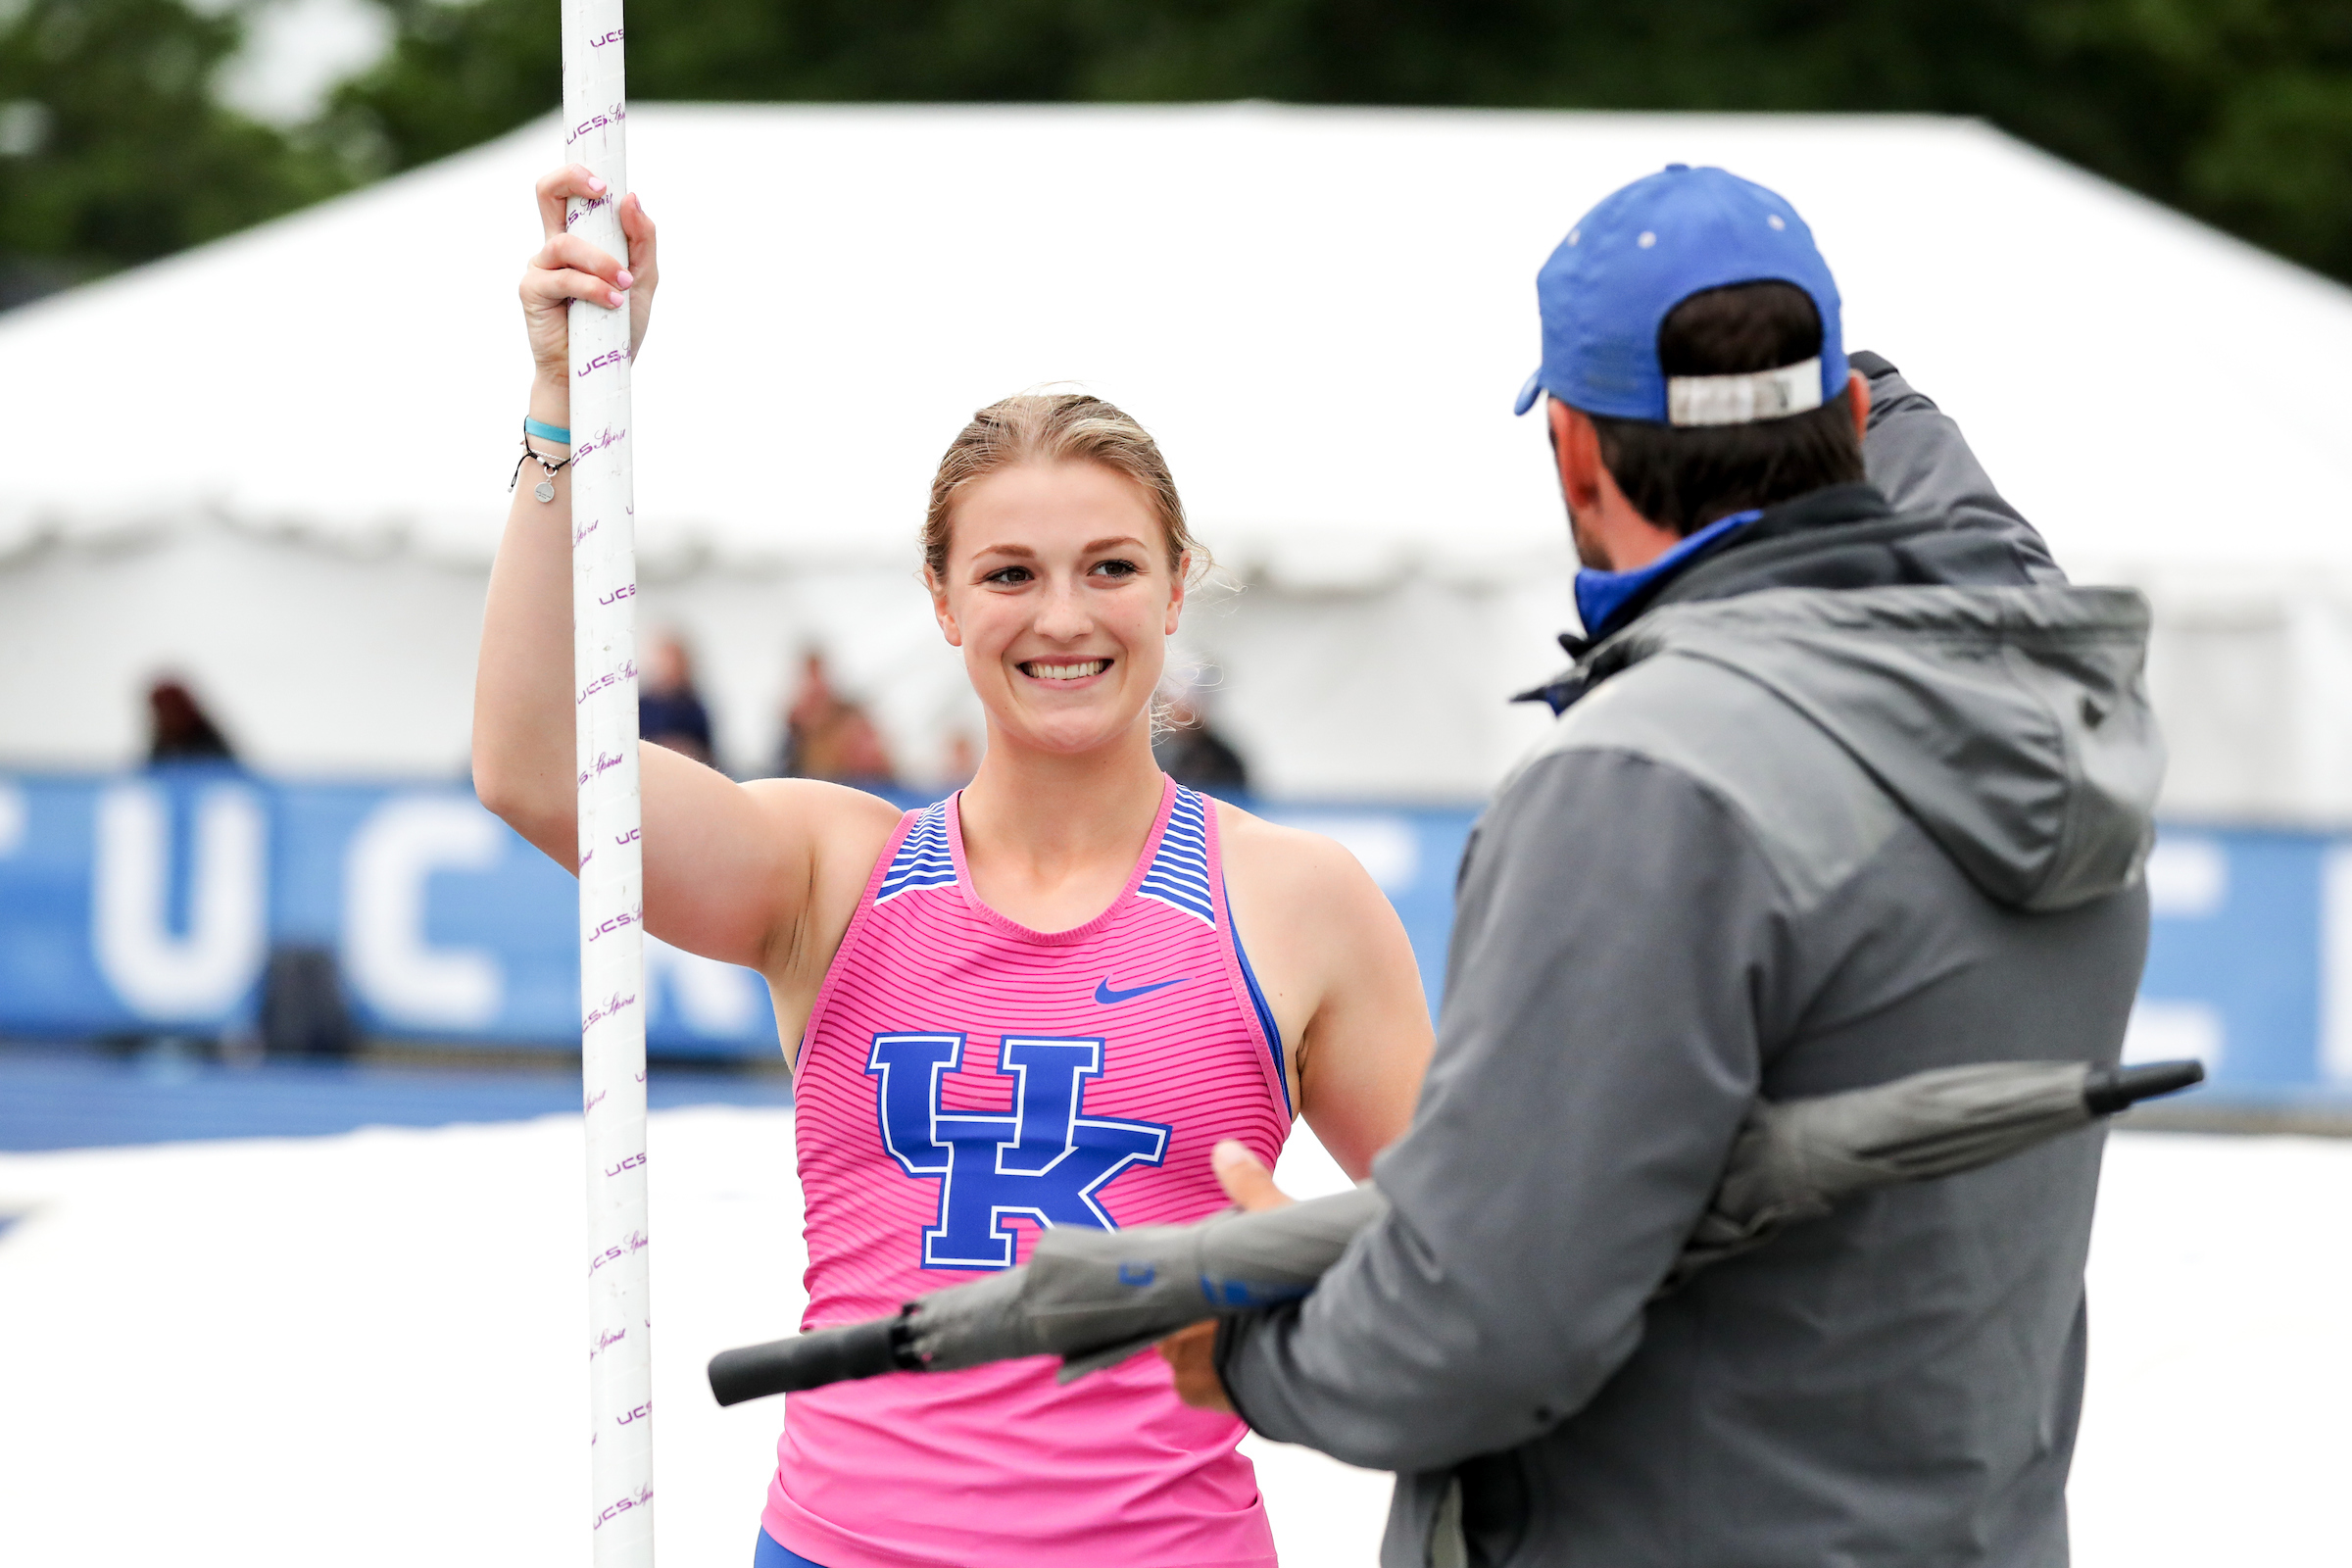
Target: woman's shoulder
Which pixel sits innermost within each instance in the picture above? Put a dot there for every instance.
(1327, 945)
(1291, 867)
(835, 834)
(841, 808)
(845, 831)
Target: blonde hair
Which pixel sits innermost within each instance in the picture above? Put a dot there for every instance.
(1046, 427)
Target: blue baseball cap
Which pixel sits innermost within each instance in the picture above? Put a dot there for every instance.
(1642, 251)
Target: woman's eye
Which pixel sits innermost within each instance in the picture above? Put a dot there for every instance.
(1008, 576)
(1116, 568)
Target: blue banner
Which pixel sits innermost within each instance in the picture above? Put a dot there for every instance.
(150, 903)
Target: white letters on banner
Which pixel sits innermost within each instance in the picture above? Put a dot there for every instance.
(2172, 1031)
(13, 816)
(2335, 965)
(2188, 877)
(163, 976)
(385, 953)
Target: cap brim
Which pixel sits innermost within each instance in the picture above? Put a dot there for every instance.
(1529, 392)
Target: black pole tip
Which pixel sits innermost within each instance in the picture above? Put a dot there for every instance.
(2109, 1090)
(810, 1361)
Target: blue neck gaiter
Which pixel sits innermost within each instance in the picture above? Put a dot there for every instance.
(1599, 594)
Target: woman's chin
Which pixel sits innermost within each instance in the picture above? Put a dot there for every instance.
(1067, 734)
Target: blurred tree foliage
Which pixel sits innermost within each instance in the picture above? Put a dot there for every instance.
(112, 148)
(2239, 111)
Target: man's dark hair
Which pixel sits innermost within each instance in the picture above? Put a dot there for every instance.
(1686, 476)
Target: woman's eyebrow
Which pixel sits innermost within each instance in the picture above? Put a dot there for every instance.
(1126, 541)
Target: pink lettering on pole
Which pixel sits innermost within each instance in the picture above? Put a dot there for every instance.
(606, 437)
(607, 1010)
(597, 121)
(636, 1242)
(627, 671)
(645, 1494)
(625, 917)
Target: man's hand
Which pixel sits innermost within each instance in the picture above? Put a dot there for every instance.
(1191, 1353)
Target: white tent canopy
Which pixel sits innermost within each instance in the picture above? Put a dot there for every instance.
(1322, 313)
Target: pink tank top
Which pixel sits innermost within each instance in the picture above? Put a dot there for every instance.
(964, 1082)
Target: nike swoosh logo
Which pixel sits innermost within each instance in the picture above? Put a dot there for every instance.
(1105, 996)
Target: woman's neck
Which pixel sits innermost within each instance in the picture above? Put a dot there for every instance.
(1051, 837)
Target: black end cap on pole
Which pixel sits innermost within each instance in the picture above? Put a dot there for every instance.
(808, 1362)
(2109, 1090)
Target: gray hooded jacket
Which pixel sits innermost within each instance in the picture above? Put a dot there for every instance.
(1859, 794)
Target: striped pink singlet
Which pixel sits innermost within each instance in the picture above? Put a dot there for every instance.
(965, 1081)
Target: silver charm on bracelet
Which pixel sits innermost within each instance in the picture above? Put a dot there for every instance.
(545, 489)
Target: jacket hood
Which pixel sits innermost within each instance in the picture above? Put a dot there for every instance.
(2013, 723)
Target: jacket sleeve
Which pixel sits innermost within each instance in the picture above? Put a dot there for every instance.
(1597, 1048)
(1916, 455)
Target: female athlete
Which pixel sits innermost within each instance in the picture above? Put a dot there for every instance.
(1030, 1004)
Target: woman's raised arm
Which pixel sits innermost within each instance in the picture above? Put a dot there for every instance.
(746, 874)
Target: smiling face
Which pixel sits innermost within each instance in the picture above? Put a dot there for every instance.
(1059, 590)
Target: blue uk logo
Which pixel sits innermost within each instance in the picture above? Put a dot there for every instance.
(1047, 1162)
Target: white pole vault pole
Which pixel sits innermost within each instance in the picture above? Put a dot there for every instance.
(604, 619)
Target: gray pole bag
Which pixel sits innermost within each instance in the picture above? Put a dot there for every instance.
(1095, 1298)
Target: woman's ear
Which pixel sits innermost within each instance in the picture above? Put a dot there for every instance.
(1184, 574)
(940, 610)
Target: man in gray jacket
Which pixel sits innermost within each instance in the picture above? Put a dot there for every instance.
(1841, 788)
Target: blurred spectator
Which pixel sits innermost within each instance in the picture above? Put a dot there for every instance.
(304, 1012)
(670, 711)
(180, 731)
(827, 736)
(1190, 751)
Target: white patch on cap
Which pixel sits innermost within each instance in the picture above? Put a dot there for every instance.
(1773, 219)
(1646, 240)
(1744, 399)
(1574, 235)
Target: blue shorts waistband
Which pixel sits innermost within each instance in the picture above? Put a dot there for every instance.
(771, 1554)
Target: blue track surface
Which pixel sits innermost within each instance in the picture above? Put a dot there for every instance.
(59, 1098)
